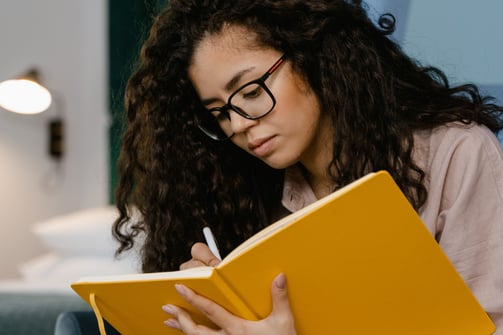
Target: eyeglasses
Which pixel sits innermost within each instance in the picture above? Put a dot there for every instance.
(252, 101)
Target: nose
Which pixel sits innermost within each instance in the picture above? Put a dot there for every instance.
(240, 124)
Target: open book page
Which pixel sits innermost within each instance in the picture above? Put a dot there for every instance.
(199, 272)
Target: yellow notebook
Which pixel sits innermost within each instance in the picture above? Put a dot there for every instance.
(359, 261)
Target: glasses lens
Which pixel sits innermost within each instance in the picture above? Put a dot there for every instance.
(215, 124)
(253, 100)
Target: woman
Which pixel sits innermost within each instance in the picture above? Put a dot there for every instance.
(243, 111)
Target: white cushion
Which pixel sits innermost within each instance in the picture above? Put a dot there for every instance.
(54, 268)
(82, 233)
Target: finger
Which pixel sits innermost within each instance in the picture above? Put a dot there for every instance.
(193, 263)
(202, 252)
(173, 322)
(216, 313)
(280, 303)
(183, 321)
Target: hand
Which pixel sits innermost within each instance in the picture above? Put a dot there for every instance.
(201, 256)
(279, 322)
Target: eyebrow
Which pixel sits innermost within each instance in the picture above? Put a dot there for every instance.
(231, 84)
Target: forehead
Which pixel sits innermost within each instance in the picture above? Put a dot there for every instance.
(218, 57)
(229, 38)
(233, 35)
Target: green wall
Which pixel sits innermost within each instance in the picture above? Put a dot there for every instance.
(129, 22)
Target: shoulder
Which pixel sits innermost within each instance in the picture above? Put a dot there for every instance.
(455, 132)
(455, 144)
(464, 173)
(464, 207)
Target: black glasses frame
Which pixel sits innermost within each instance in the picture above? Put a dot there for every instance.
(228, 106)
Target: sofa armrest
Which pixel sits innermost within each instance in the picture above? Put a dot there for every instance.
(80, 323)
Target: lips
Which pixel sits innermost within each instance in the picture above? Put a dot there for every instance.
(261, 146)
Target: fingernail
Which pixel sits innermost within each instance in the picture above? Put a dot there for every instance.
(181, 289)
(281, 281)
(172, 323)
(169, 309)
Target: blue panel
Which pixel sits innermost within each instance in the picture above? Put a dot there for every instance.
(399, 9)
(495, 91)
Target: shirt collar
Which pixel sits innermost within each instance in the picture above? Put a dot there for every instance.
(297, 192)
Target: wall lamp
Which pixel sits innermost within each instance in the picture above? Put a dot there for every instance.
(25, 95)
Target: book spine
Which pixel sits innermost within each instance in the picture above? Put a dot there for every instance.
(240, 308)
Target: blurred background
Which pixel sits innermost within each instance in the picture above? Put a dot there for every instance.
(83, 51)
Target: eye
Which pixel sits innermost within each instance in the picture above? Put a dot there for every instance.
(220, 114)
(251, 91)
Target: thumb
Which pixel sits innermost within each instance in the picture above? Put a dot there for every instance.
(280, 303)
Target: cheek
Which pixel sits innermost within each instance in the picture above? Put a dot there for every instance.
(300, 111)
(297, 101)
(240, 141)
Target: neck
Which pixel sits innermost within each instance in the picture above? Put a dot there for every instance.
(316, 163)
(322, 185)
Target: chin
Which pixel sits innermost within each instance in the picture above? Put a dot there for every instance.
(279, 164)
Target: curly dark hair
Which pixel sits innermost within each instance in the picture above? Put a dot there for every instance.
(376, 96)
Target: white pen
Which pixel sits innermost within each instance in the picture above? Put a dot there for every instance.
(210, 241)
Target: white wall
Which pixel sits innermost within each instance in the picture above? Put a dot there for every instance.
(66, 40)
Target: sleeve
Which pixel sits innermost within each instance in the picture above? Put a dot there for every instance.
(466, 181)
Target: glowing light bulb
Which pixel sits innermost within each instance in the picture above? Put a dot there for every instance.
(24, 96)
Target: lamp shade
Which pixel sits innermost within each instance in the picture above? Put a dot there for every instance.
(24, 95)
